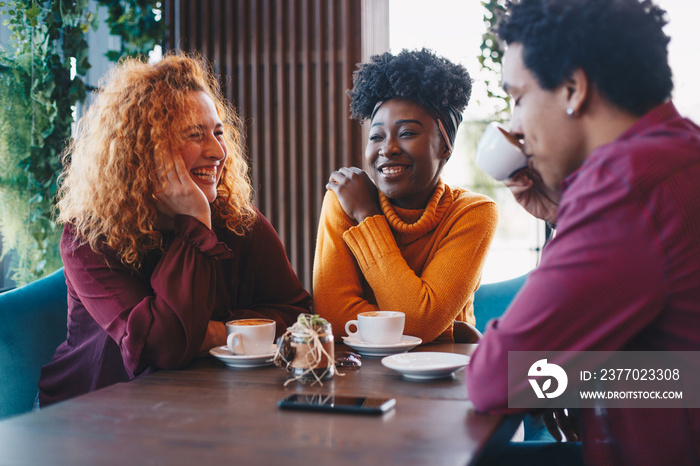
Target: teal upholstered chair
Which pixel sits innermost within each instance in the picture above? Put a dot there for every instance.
(492, 299)
(32, 325)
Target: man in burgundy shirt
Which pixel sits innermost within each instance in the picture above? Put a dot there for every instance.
(617, 169)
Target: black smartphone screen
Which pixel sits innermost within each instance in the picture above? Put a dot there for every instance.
(338, 403)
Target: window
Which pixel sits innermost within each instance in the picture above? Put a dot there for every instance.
(453, 29)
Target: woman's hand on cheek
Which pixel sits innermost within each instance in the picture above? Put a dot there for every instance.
(356, 192)
(181, 195)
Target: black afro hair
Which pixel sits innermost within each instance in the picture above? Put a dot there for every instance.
(419, 75)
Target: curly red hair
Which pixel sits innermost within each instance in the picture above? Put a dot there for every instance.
(134, 125)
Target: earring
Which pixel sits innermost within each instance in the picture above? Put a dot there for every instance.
(571, 112)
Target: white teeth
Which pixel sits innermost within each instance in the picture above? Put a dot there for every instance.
(205, 173)
(392, 170)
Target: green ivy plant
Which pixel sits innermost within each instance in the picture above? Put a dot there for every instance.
(138, 23)
(41, 71)
(491, 57)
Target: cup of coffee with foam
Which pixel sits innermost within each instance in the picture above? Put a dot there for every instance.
(499, 153)
(377, 327)
(250, 337)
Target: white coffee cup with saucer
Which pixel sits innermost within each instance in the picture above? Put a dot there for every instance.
(250, 337)
(377, 327)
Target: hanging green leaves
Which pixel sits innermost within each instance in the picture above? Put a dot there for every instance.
(491, 57)
(41, 80)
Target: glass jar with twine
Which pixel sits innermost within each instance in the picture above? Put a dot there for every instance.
(306, 350)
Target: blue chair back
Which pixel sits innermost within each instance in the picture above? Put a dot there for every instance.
(492, 299)
(33, 324)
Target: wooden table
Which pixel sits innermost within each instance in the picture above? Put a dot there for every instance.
(211, 414)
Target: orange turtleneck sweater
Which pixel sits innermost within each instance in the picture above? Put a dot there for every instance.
(425, 263)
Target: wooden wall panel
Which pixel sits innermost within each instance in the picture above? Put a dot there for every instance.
(286, 65)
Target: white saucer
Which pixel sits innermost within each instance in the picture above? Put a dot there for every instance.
(369, 349)
(426, 365)
(225, 355)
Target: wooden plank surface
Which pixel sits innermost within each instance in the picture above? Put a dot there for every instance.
(210, 413)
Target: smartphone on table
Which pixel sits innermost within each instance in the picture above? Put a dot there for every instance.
(337, 403)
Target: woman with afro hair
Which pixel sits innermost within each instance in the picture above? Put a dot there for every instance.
(396, 237)
(161, 242)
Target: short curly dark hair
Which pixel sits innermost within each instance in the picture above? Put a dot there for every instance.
(420, 75)
(619, 44)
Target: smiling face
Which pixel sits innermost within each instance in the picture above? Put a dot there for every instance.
(204, 151)
(405, 153)
(552, 140)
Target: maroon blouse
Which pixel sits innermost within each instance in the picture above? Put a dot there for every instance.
(124, 323)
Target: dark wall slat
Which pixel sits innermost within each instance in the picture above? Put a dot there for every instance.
(306, 126)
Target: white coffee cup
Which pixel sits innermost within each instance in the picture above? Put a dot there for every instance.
(250, 337)
(499, 153)
(378, 327)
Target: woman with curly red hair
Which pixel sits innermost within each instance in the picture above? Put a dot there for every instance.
(396, 237)
(161, 243)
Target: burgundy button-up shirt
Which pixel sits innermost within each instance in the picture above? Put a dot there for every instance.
(622, 273)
